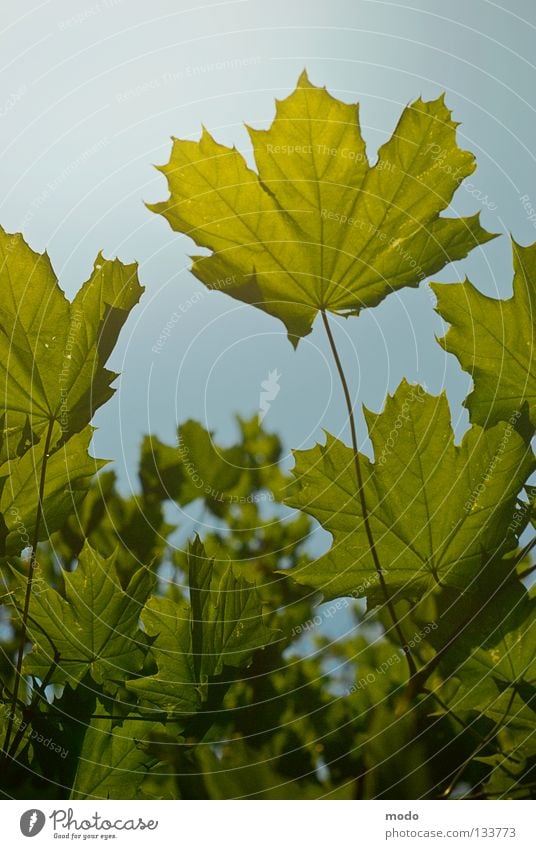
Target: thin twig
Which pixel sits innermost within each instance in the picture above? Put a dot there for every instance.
(28, 594)
(521, 556)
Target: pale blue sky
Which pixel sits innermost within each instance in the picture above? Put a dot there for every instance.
(91, 93)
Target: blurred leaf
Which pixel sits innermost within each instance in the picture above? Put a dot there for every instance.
(208, 471)
(193, 645)
(242, 774)
(227, 618)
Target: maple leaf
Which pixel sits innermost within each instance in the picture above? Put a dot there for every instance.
(494, 340)
(318, 227)
(94, 628)
(493, 659)
(69, 473)
(223, 627)
(113, 762)
(435, 509)
(53, 352)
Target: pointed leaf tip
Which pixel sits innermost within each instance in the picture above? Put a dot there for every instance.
(290, 242)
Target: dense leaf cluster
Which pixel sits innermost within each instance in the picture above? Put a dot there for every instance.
(133, 666)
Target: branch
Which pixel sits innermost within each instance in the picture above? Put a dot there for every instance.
(28, 594)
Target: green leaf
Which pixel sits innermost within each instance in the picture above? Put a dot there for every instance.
(317, 227)
(113, 762)
(436, 509)
(512, 775)
(494, 341)
(160, 471)
(173, 688)
(52, 352)
(134, 527)
(227, 618)
(197, 467)
(223, 628)
(494, 660)
(68, 476)
(94, 628)
(208, 470)
(246, 773)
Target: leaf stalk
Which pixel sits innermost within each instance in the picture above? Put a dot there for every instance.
(28, 594)
(362, 499)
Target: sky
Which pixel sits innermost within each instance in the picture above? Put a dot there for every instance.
(91, 93)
